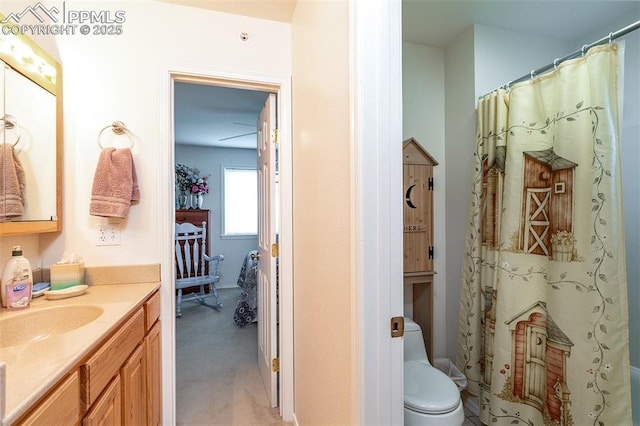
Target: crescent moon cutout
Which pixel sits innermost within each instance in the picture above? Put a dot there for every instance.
(407, 197)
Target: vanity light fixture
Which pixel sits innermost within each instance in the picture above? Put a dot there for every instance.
(22, 53)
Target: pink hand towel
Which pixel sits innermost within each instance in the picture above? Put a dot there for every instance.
(115, 184)
(12, 183)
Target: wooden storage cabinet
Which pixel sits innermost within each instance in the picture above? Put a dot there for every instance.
(153, 360)
(154, 375)
(196, 217)
(100, 369)
(417, 177)
(107, 411)
(134, 389)
(61, 407)
(120, 383)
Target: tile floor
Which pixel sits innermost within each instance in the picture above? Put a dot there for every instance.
(470, 418)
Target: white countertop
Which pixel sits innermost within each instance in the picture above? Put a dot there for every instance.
(33, 367)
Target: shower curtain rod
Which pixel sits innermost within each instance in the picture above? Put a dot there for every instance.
(554, 64)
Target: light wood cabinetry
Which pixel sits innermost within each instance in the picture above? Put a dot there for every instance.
(417, 166)
(61, 407)
(107, 411)
(134, 388)
(117, 384)
(154, 375)
(98, 371)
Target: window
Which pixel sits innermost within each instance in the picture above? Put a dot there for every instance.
(240, 201)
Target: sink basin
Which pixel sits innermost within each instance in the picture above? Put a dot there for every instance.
(39, 324)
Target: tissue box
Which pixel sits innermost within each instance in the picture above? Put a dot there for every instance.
(63, 275)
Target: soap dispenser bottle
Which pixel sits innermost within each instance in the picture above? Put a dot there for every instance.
(17, 281)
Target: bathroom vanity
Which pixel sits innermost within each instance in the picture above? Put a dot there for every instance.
(87, 359)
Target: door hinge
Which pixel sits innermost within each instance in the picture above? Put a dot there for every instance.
(397, 326)
(275, 250)
(274, 136)
(275, 365)
(430, 252)
(430, 184)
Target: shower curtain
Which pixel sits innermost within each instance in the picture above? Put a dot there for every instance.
(543, 329)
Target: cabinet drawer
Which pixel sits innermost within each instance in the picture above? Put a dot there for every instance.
(192, 216)
(98, 371)
(62, 407)
(151, 311)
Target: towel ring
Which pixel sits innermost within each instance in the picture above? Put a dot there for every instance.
(119, 128)
(10, 123)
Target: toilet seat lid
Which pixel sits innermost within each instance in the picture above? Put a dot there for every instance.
(428, 390)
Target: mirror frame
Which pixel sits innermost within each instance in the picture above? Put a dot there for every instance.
(54, 86)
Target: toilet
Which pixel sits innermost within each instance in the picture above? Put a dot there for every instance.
(430, 396)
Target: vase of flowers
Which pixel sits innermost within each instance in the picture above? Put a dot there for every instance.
(182, 200)
(188, 180)
(196, 200)
(183, 179)
(199, 187)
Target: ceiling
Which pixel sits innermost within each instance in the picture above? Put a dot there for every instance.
(216, 116)
(437, 23)
(273, 10)
(206, 114)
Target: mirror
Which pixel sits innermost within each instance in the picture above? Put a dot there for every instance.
(31, 138)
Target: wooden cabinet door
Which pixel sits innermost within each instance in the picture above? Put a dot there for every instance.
(62, 407)
(107, 411)
(102, 366)
(152, 345)
(134, 389)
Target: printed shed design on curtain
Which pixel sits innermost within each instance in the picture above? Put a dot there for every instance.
(543, 328)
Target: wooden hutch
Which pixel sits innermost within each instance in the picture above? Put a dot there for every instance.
(196, 217)
(417, 168)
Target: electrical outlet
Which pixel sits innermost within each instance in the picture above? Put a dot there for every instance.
(108, 234)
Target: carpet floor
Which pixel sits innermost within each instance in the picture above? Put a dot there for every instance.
(217, 377)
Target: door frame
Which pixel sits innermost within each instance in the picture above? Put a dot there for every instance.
(281, 85)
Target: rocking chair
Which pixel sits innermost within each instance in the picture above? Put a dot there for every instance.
(194, 268)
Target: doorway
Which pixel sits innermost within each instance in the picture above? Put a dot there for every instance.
(284, 311)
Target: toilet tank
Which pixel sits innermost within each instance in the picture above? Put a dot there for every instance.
(413, 342)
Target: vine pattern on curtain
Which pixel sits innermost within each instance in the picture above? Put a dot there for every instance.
(543, 328)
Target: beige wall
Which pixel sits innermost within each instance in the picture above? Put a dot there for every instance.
(111, 78)
(125, 78)
(120, 77)
(321, 200)
(423, 118)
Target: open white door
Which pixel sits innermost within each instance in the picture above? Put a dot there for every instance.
(267, 251)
